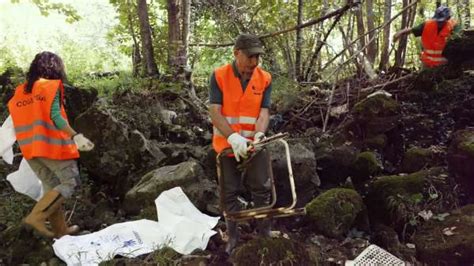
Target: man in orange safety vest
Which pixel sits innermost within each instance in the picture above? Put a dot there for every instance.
(434, 33)
(239, 110)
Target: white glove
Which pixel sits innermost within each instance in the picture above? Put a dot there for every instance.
(259, 136)
(239, 145)
(82, 143)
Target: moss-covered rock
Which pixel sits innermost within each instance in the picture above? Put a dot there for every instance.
(448, 242)
(375, 124)
(335, 211)
(415, 159)
(391, 198)
(272, 251)
(374, 115)
(367, 164)
(461, 160)
(377, 106)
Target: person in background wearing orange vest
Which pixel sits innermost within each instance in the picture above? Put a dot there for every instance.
(434, 34)
(239, 110)
(47, 141)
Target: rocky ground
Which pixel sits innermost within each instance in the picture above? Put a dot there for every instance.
(396, 171)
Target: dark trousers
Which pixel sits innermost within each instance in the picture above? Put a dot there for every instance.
(256, 177)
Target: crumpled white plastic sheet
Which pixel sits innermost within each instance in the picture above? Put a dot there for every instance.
(7, 139)
(24, 180)
(181, 226)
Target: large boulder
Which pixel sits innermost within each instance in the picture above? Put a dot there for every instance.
(337, 210)
(150, 186)
(461, 160)
(120, 155)
(448, 241)
(303, 164)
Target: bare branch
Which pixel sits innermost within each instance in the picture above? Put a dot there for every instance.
(336, 12)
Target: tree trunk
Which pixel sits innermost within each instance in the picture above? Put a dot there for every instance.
(408, 18)
(299, 42)
(372, 45)
(289, 59)
(136, 58)
(360, 27)
(178, 32)
(467, 14)
(385, 57)
(147, 45)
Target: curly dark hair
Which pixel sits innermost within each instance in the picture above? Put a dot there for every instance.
(45, 65)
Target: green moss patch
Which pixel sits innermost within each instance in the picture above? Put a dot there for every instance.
(335, 211)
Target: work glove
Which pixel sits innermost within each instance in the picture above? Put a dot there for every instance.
(259, 136)
(82, 143)
(239, 145)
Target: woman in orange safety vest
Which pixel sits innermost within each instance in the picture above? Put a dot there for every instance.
(47, 141)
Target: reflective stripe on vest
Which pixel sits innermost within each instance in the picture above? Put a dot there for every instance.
(238, 120)
(46, 139)
(35, 131)
(26, 128)
(434, 42)
(240, 108)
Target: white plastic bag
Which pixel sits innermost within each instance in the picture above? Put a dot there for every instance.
(7, 139)
(25, 181)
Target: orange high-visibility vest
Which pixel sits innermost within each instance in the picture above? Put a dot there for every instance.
(434, 42)
(35, 131)
(240, 109)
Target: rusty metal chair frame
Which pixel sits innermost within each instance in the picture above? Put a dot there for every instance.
(269, 210)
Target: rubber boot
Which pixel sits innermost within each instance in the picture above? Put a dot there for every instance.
(59, 226)
(233, 233)
(264, 227)
(43, 209)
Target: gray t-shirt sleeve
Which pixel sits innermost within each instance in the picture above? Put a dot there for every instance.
(266, 102)
(215, 94)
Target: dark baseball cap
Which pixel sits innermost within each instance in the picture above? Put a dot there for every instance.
(250, 44)
(442, 14)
